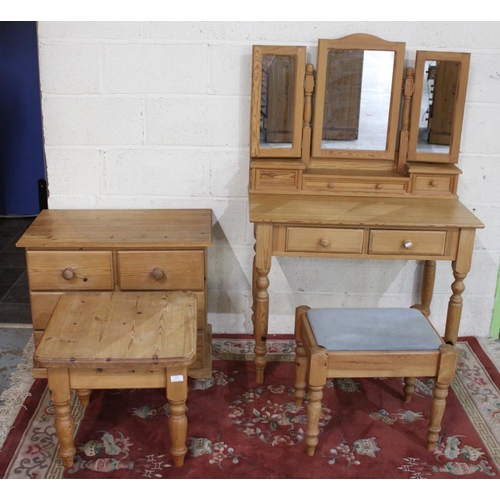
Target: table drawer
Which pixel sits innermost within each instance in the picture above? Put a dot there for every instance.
(324, 240)
(394, 242)
(161, 270)
(54, 270)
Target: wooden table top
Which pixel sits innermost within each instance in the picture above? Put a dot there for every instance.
(120, 229)
(361, 211)
(120, 329)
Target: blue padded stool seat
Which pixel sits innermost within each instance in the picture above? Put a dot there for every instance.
(368, 343)
(383, 329)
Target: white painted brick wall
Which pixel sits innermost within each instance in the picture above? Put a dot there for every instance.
(156, 115)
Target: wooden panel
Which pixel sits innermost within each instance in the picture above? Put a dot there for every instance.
(202, 367)
(65, 270)
(42, 307)
(393, 242)
(276, 179)
(177, 270)
(120, 329)
(360, 211)
(376, 364)
(119, 229)
(117, 379)
(324, 240)
(437, 184)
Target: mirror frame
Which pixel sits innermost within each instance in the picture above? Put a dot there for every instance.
(459, 108)
(258, 52)
(359, 42)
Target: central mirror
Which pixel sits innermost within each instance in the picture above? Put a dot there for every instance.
(356, 113)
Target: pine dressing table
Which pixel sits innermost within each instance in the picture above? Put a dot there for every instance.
(372, 176)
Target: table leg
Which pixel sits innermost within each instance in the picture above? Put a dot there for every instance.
(455, 308)
(262, 266)
(461, 266)
(58, 381)
(427, 288)
(84, 396)
(177, 423)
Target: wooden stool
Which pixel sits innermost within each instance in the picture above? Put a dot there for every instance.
(119, 340)
(365, 343)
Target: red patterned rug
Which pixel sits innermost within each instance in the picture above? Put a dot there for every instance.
(238, 429)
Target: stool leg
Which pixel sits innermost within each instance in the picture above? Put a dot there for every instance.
(437, 411)
(313, 414)
(84, 396)
(177, 423)
(301, 362)
(409, 388)
(446, 373)
(58, 380)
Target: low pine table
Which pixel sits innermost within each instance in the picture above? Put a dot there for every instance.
(119, 340)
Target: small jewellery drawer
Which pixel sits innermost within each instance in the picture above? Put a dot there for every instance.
(276, 179)
(324, 240)
(442, 184)
(54, 270)
(161, 270)
(394, 242)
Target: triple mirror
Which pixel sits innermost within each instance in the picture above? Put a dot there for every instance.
(358, 98)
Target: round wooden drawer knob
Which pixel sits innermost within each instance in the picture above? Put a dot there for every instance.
(378, 186)
(324, 242)
(68, 273)
(408, 244)
(434, 183)
(331, 185)
(157, 273)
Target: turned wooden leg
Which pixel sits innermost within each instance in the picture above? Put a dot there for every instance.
(427, 288)
(409, 388)
(58, 381)
(84, 396)
(437, 411)
(313, 415)
(263, 254)
(300, 358)
(446, 373)
(455, 308)
(177, 423)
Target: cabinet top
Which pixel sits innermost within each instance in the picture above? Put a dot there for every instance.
(119, 229)
(361, 211)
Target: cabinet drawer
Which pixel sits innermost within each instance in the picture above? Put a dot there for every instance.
(53, 270)
(439, 184)
(327, 240)
(388, 242)
(162, 270)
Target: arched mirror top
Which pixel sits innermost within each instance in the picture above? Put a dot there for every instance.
(277, 101)
(438, 106)
(357, 98)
